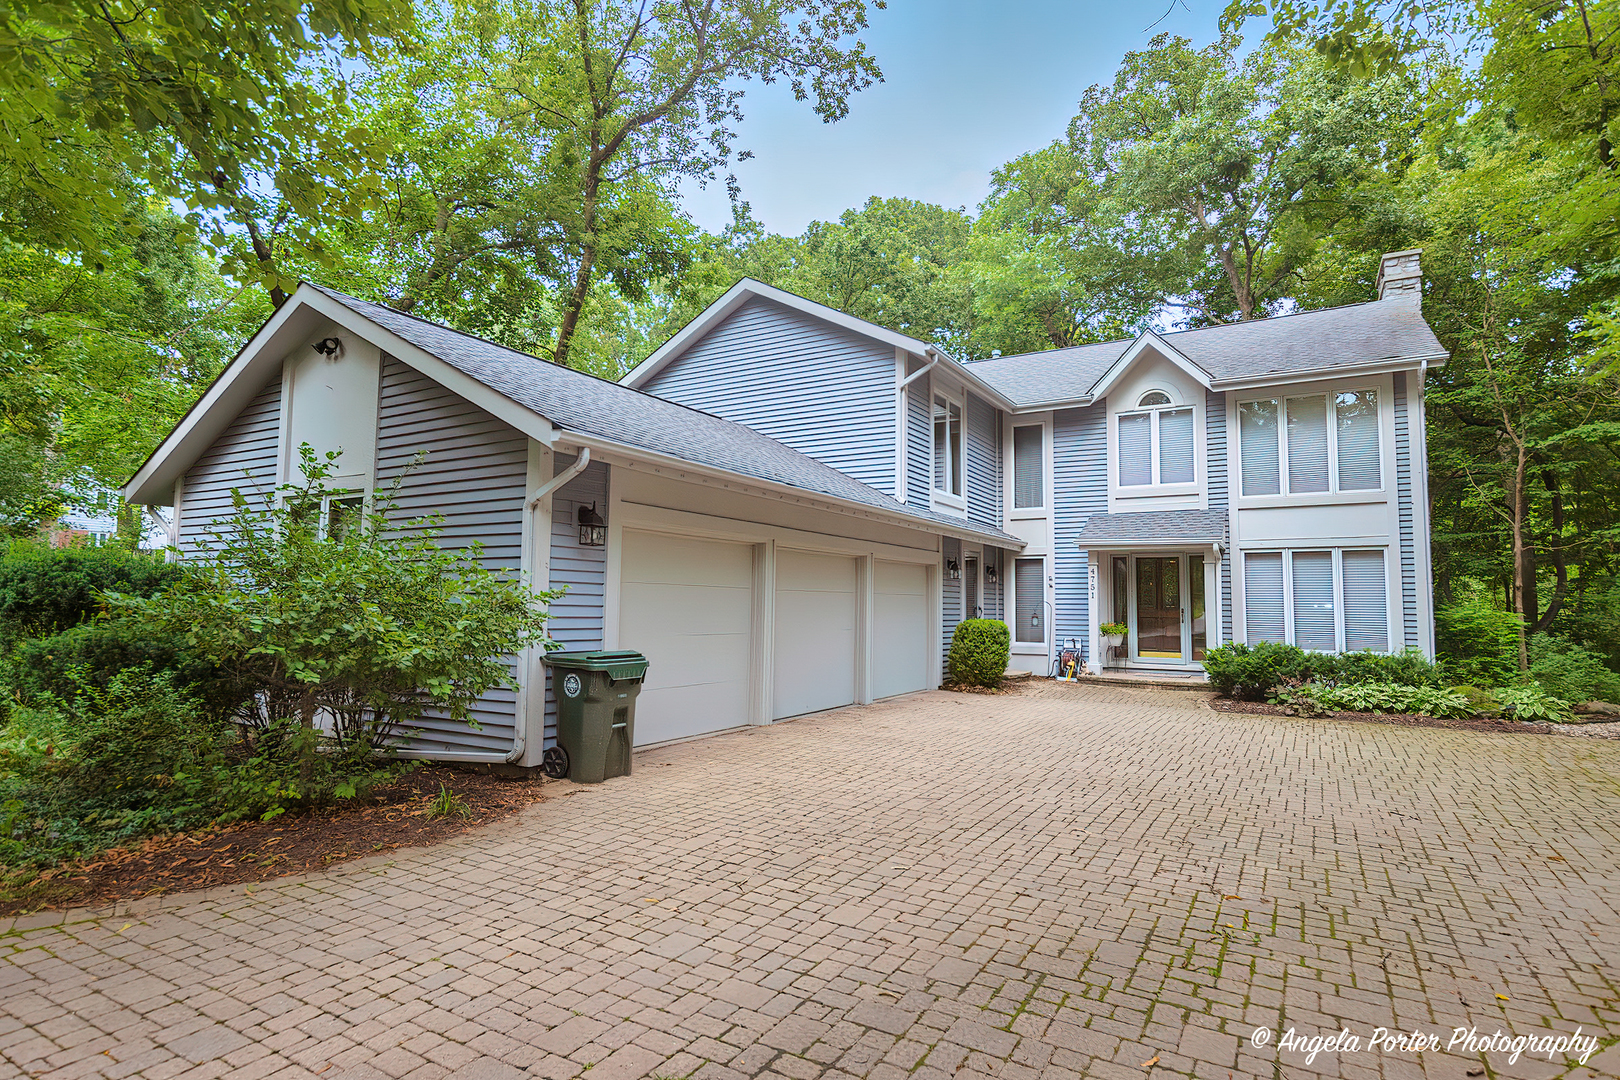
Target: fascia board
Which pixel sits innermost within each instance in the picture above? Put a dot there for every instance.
(1146, 339)
(1285, 378)
(627, 454)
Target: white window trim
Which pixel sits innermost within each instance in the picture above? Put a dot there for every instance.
(943, 497)
(1012, 472)
(1394, 630)
(1156, 487)
(1281, 396)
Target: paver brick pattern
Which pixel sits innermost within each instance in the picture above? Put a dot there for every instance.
(1068, 883)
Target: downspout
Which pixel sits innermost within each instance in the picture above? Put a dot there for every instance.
(519, 731)
(1423, 479)
(925, 369)
(904, 410)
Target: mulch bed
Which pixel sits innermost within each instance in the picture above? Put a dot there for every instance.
(394, 817)
(1515, 727)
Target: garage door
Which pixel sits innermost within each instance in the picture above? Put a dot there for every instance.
(900, 641)
(688, 605)
(815, 632)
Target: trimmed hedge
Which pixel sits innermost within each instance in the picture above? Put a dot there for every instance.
(980, 652)
(1252, 672)
(49, 591)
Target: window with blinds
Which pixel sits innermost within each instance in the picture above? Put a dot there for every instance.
(1257, 438)
(1029, 460)
(1135, 450)
(1029, 601)
(1356, 413)
(1176, 446)
(1307, 444)
(947, 446)
(1366, 602)
(1263, 597)
(1315, 621)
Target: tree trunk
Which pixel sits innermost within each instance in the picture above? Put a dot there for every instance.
(1526, 603)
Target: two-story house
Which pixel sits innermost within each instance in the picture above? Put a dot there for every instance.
(788, 509)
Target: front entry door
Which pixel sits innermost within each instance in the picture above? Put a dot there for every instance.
(1158, 608)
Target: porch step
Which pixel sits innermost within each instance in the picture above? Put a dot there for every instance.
(1145, 683)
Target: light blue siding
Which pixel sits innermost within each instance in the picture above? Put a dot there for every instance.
(1403, 506)
(982, 448)
(576, 617)
(244, 458)
(919, 443)
(1215, 437)
(824, 391)
(1080, 488)
(951, 598)
(473, 470)
(992, 601)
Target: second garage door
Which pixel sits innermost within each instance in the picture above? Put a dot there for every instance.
(815, 632)
(688, 605)
(901, 644)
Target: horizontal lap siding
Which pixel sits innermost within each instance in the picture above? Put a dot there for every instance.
(473, 470)
(1080, 487)
(1215, 437)
(824, 391)
(1403, 506)
(577, 616)
(244, 458)
(951, 599)
(919, 446)
(983, 450)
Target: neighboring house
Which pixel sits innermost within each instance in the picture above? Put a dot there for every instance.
(801, 505)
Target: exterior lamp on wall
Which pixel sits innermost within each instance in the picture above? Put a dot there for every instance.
(989, 573)
(592, 529)
(953, 570)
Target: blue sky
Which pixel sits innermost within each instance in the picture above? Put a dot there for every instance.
(968, 85)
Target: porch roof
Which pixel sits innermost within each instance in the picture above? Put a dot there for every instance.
(1156, 527)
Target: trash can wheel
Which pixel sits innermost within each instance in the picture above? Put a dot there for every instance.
(554, 762)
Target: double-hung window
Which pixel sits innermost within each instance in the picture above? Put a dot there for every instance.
(1154, 444)
(1029, 467)
(1329, 600)
(947, 446)
(1312, 443)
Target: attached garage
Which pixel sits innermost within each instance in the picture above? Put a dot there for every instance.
(688, 604)
(900, 640)
(815, 632)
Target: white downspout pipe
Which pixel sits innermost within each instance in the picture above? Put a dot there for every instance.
(925, 369)
(520, 731)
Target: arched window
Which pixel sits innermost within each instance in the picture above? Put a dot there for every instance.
(1155, 443)
(1153, 398)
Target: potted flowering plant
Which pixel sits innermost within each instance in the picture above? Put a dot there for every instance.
(1113, 634)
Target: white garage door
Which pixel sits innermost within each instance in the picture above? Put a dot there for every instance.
(900, 642)
(688, 605)
(815, 632)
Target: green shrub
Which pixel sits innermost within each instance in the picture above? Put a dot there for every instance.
(1408, 668)
(1533, 703)
(980, 652)
(1483, 702)
(1570, 671)
(1477, 641)
(1387, 698)
(92, 654)
(1252, 672)
(48, 590)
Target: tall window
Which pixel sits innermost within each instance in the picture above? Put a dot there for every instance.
(1029, 467)
(947, 446)
(1155, 443)
(1327, 601)
(1029, 601)
(1324, 442)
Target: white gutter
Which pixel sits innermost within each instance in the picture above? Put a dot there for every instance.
(560, 479)
(925, 369)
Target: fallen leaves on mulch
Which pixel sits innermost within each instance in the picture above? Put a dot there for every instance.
(394, 817)
(1515, 727)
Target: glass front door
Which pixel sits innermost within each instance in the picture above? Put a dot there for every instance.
(1158, 608)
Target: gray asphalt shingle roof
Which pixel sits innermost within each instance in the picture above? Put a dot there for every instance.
(1154, 526)
(575, 401)
(1309, 341)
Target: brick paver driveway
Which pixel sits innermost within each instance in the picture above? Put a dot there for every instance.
(1107, 883)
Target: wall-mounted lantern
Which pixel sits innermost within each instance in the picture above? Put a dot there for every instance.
(989, 573)
(953, 570)
(592, 529)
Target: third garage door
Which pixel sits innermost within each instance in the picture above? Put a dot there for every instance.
(815, 632)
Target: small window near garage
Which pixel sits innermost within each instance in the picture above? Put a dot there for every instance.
(947, 446)
(1029, 474)
(1029, 601)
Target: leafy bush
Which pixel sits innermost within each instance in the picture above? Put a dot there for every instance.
(1484, 702)
(1113, 629)
(1478, 641)
(1570, 671)
(1531, 702)
(980, 652)
(48, 590)
(1408, 668)
(92, 654)
(1251, 672)
(1386, 698)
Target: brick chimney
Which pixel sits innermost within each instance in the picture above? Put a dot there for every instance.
(1400, 277)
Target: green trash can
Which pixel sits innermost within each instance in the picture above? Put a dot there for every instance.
(596, 714)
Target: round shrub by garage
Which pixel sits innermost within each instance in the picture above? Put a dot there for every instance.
(980, 651)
